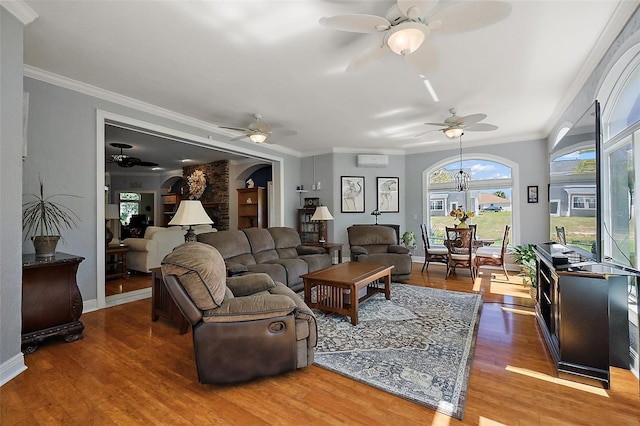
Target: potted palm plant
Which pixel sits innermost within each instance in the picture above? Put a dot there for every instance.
(43, 219)
(526, 257)
(409, 240)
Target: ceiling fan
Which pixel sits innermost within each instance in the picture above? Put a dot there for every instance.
(259, 131)
(408, 24)
(455, 125)
(127, 161)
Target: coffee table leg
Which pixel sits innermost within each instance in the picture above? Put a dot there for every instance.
(354, 306)
(387, 286)
(307, 291)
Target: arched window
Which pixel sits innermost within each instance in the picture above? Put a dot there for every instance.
(489, 197)
(621, 129)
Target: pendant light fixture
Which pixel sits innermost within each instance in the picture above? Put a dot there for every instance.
(462, 178)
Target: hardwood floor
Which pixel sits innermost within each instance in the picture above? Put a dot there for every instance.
(129, 370)
(135, 281)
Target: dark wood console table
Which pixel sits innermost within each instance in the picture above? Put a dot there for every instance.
(162, 304)
(51, 300)
(582, 311)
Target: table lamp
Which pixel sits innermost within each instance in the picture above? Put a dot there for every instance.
(190, 212)
(322, 215)
(376, 213)
(111, 212)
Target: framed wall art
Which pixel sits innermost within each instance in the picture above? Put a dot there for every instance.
(352, 194)
(532, 194)
(388, 199)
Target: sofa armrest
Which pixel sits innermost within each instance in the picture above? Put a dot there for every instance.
(394, 248)
(357, 250)
(248, 284)
(140, 244)
(236, 269)
(302, 250)
(251, 308)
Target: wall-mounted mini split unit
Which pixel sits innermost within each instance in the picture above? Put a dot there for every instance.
(373, 160)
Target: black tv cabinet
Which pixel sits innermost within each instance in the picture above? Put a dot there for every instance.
(582, 309)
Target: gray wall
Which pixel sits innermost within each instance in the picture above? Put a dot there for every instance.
(11, 360)
(62, 149)
(532, 168)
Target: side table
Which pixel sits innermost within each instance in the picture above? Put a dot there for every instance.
(329, 248)
(116, 261)
(162, 304)
(51, 300)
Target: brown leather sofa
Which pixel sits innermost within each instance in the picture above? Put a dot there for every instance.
(377, 244)
(243, 327)
(275, 251)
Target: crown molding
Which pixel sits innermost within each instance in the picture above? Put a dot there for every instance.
(22, 11)
(97, 92)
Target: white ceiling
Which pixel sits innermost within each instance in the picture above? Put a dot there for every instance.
(223, 61)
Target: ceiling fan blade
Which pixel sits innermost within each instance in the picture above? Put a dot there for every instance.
(147, 164)
(356, 23)
(414, 9)
(425, 59)
(438, 124)
(424, 133)
(239, 137)
(282, 133)
(370, 55)
(239, 129)
(481, 127)
(469, 15)
(473, 118)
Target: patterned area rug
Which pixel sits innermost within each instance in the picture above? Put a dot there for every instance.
(419, 345)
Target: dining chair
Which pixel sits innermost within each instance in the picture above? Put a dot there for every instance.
(432, 253)
(460, 250)
(562, 237)
(494, 256)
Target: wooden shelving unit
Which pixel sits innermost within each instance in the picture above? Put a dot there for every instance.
(309, 231)
(252, 208)
(169, 207)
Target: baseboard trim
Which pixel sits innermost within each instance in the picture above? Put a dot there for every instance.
(12, 368)
(131, 296)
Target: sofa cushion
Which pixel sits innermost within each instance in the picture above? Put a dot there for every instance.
(262, 245)
(229, 243)
(286, 240)
(201, 271)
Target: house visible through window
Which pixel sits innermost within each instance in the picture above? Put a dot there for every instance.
(129, 205)
(437, 204)
(582, 202)
(489, 197)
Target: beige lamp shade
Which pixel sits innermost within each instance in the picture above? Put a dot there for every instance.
(322, 213)
(111, 211)
(190, 212)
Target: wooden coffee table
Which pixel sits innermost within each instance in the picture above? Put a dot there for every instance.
(337, 287)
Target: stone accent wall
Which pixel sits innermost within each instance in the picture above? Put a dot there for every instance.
(215, 198)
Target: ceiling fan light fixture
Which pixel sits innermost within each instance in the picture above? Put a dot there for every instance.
(406, 38)
(258, 137)
(453, 132)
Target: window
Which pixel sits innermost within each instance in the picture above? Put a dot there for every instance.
(583, 202)
(437, 204)
(129, 205)
(491, 184)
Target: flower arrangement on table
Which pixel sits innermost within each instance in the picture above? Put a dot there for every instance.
(462, 215)
(197, 183)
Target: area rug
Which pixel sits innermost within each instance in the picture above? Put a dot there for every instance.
(419, 345)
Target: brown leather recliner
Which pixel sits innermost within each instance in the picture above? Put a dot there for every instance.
(377, 244)
(244, 327)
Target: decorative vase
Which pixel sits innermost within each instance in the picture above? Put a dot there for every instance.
(45, 245)
(463, 224)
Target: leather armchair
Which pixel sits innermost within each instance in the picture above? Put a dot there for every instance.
(243, 327)
(377, 244)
